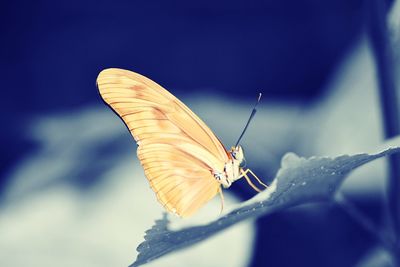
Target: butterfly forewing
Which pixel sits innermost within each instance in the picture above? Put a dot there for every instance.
(176, 149)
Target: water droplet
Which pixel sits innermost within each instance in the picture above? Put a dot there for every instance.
(293, 184)
(333, 173)
(303, 183)
(322, 167)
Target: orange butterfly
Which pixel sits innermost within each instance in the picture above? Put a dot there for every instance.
(185, 163)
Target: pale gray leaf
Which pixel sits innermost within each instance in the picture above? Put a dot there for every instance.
(298, 181)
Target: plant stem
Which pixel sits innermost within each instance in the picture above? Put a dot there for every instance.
(363, 220)
(383, 54)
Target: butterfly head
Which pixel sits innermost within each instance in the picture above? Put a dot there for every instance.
(237, 154)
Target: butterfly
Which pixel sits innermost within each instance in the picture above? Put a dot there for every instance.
(185, 163)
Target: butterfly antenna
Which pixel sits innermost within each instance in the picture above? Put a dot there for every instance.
(253, 112)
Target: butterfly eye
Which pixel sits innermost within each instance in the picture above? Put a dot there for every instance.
(234, 155)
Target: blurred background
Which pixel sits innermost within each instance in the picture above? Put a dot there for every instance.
(72, 192)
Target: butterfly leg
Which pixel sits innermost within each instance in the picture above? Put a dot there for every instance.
(244, 174)
(255, 176)
(222, 200)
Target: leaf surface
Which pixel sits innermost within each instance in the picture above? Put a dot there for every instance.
(298, 181)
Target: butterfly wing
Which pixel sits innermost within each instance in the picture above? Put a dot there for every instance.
(176, 149)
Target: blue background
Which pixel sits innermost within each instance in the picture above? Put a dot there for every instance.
(52, 51)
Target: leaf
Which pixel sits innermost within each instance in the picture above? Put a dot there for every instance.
(298, 181)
